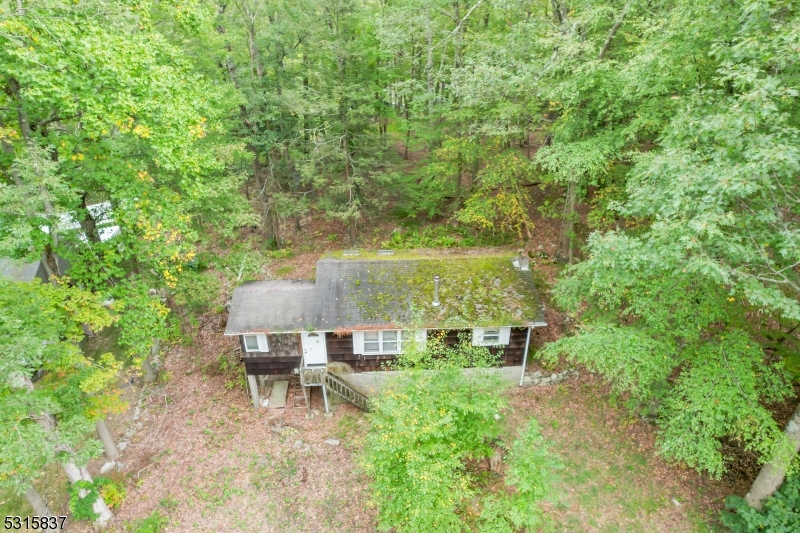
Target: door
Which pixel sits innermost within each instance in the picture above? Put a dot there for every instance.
(314, 351)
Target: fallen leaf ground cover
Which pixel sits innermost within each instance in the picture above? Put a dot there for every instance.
(208, 461)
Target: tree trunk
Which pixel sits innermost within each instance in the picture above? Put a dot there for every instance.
(613, 31)
(568, 223)
(75, 473)
(148, 371)
(88, 224)
(269, 219)
(49, 257)
(108, 441)
(40, 507)
(429, 62)
(771, 475)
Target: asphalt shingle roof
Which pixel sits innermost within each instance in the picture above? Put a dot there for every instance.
(370, 293)
(17, 270)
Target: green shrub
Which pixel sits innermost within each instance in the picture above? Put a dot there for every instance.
(113, 493)
(781, 512)
(444, 236)
(423, 427)
(436, 354)
(81, 507)
(528, 470)
(152, 524)
(197, 291)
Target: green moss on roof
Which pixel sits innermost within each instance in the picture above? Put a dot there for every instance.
(474, 291)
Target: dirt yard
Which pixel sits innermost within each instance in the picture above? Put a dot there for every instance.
(206, 460)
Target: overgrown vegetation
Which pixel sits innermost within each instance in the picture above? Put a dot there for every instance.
(424, 428)
(435, 354)
(528, 475)
(781, 511)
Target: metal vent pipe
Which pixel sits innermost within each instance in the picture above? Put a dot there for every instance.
(436, 280)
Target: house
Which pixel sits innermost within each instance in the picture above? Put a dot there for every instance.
(26, 271)
(363, 307)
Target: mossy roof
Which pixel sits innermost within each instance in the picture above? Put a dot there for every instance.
(372, 291)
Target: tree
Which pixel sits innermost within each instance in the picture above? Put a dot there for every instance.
(671, 308)
(138, 128)
(51, 394)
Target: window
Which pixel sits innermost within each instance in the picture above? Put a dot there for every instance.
(491, 336)
(377, 342)
(256, 342)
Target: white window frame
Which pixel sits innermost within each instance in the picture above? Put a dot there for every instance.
(501, 338)
(261, 341)
(359, 341)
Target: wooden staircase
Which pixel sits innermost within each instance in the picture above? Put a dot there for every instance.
(322, 377)
(334, 383)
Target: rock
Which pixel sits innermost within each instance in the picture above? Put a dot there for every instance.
(297, 444)
(130, 432)
(108, 467)
(544, 381)
(120, 466)
(265, 403)
(676, 502)
(121, 446)
(332, 442)
(315, 411)
(496, 282)
(553, 377)
(536, 374)
(139, 425)
(137, 412)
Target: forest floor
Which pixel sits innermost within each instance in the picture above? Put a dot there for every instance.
(207, 461)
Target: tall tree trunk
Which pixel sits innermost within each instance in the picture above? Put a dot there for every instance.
(429, 62)
(108, 441)
(40, 507)
(73, 471)
(613, 31)
(771, 475)
(49, 257)
(88, 224)
(269, 218)
(568, 223)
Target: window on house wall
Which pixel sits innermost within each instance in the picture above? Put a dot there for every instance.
(378, 342)
(491, 336)
(256, 342)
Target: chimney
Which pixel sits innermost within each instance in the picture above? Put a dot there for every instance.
(436, 280)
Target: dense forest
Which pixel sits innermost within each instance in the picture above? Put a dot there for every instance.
(655, 143)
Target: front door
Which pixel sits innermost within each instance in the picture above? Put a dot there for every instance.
(314, 352)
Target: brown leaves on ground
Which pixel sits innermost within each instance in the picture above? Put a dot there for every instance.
(210, 462)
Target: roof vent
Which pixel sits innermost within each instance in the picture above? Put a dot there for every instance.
(385, 252)
(351, 252)
(436, 280)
